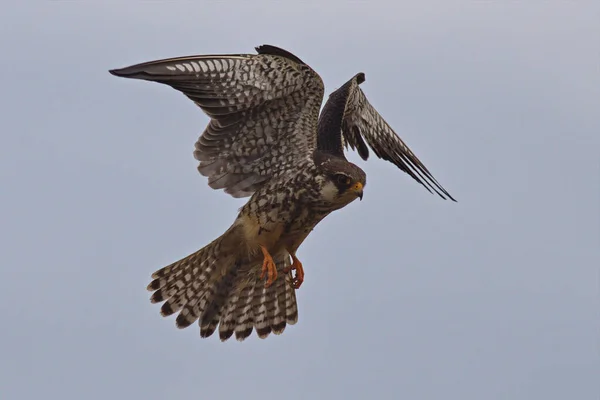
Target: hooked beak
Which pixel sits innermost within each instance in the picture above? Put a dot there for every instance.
(358, 189)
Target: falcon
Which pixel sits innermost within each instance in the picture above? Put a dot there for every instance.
(267, 140)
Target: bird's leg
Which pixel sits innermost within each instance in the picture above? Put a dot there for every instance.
(297, 266)
(269, 269)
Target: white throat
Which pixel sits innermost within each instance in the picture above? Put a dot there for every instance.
(329, 192)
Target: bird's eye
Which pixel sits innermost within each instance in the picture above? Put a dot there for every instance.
(343, 180)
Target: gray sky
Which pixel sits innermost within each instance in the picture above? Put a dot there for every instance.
(406, 296)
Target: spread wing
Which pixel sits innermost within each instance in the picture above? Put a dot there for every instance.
(263, 111)
(349, 113)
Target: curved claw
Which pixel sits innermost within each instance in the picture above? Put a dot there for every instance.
(269, 269)
(299, 276)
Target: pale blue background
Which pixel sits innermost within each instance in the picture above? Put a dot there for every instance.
(406, 296)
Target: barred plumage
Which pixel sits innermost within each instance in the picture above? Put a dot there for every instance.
(215, 289)
(265, 139)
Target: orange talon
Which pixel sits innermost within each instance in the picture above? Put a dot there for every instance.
(297, 266)
(268, 268)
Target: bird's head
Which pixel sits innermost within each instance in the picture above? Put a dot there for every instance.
(344, 181)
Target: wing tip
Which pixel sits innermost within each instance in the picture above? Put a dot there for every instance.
(360, 77)
(443, 193)
(437, 188)
(278, 51)
(115, 72)
(127, 72)
(446, 196)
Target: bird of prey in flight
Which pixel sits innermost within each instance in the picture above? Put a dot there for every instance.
(267, 140)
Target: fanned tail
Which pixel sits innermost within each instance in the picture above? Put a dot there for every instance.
(214, 288)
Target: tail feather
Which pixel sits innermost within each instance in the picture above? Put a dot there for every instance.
(187, 313)
(229, 319)
(279, 318)
(254, 306)
(244, 314)
(270, 304)
(212, 287)
(291, 307)
(195, 268)
(209, 320)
